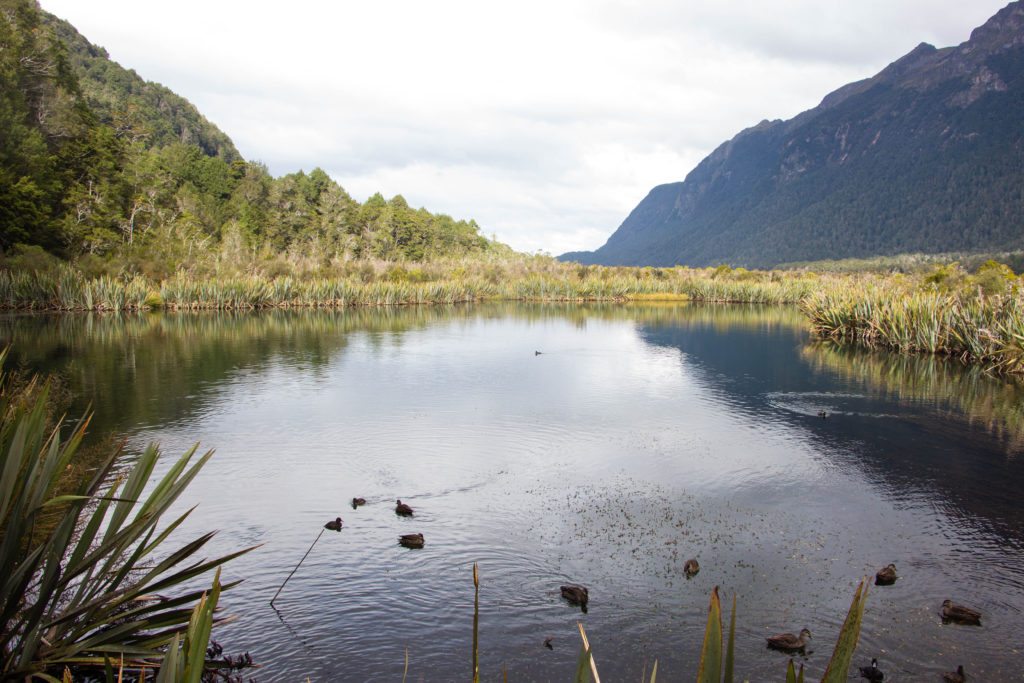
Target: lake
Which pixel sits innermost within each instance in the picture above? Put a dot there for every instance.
(640, 436)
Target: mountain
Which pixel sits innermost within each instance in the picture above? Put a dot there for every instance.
(101, 166)
(123, 99)
(926, 156)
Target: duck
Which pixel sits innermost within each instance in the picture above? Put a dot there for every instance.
(356, 502)
(537, 353)
(403, 509)
(872, 673)
(411, 540)
(822, 414)
(576, 595)
(334, 525)
(957, 676)
(787, 642)
(690, 568)
(886, 576)
(959, 614)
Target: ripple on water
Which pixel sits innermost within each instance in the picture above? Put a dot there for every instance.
(630, 447)
(812, 403)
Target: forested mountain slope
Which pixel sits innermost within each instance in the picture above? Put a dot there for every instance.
(135, 107)
(95, 160)
(926, 156)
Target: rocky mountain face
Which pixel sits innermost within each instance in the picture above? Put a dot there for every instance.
(926, 156)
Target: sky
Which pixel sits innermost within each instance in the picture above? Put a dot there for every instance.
(545, 121)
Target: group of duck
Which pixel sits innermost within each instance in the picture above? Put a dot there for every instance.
(886, 576)
(578, 595)
(401, 509)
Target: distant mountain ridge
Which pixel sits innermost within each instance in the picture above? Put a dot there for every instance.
(926, 156)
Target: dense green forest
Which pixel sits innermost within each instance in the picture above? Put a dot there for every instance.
(99, 166)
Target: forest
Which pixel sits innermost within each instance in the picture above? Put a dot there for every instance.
(122, 175)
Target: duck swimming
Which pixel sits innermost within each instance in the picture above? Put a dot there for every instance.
(787, 642)
(959, 614)
(576, 595)
(691, 568)
(334, 525)
(886, 576)
(411, 540)
(957, 676)
(403, 509)
(356, 502)
(872, 673)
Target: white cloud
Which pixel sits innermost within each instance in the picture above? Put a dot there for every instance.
(545, 121)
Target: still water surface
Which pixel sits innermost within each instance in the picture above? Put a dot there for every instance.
(641, 436)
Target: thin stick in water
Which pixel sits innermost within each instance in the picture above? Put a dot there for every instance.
(476, 623)
(296, 567)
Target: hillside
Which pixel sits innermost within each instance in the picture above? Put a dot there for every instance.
(98, 163)
(923, 157)
(141, 109)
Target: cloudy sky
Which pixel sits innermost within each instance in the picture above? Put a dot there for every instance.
(546, 121)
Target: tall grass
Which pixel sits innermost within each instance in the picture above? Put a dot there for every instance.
(67, 289)
(979, 318)
(973, 327)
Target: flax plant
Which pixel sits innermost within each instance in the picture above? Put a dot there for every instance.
(964, 324)
(88, 575)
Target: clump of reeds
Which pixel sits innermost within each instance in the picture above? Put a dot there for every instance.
(68, 289)
(970, 326)
(945, 311)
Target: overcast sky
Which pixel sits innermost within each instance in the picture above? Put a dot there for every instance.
(547, 121)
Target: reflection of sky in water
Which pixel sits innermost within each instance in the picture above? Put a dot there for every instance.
(627, 446)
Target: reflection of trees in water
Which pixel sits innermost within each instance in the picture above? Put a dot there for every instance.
(148, 369)
(965, 391)
(156, 367)
(724, 317)
(145, 369)
(720, 317)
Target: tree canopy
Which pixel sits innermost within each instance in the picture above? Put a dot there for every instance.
(93, 159)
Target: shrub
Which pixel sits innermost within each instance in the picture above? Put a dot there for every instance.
(153, 300)
(81, 567)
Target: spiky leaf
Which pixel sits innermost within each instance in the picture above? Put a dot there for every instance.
(710, 669)
(839, 665)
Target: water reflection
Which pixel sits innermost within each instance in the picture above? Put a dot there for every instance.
(640, 437)
(948, 387)
(165, 365)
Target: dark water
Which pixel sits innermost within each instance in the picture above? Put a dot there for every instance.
(640, 437)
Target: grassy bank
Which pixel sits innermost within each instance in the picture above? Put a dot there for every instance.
(939, 309)
(66, 288)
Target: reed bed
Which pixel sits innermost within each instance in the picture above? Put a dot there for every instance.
(945, 312)
(970, 326)
(67, 289)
